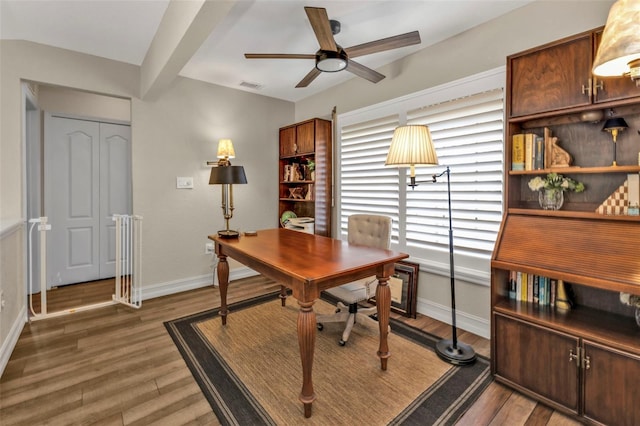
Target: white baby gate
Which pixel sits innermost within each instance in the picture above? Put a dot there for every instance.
(128, 255)
(128, 265)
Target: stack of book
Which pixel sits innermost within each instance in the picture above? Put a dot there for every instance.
(532, 288)
(528, 152)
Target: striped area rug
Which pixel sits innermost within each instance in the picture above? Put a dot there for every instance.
(251, 374)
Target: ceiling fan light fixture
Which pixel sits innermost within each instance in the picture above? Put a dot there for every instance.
(330, 61)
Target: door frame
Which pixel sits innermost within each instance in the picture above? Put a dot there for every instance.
(27, 164)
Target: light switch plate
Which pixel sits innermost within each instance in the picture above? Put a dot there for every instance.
(184, 183)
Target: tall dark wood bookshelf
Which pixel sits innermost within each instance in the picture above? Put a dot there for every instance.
(584, 361)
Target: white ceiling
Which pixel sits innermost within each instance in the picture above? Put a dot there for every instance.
(123, 30)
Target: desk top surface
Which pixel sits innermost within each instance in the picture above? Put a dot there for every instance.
(305, 256)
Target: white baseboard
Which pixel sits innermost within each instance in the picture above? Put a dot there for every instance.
(10, 342)
(464, 321)
(170, 287)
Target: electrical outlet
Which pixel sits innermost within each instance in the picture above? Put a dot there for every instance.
(2, 302)
(208, 248)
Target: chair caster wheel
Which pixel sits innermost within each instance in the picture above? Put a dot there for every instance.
(319, 326)
(342, 343)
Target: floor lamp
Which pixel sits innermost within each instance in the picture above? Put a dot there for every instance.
(412, 146)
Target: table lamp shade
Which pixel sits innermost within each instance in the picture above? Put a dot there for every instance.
(227, 175)
(225, 149)
(411, 145)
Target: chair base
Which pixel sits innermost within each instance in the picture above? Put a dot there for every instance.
(349, 314)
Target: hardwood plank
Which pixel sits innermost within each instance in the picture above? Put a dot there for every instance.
(118, 366)
(515, 411)
(487, 406)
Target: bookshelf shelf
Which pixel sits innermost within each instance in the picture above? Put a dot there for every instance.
(578, 170)
(594, 255)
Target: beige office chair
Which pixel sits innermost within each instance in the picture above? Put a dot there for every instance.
(367, 230)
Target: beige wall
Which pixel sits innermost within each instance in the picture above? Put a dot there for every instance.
(173, 136)
(62, 100)
(480, 49)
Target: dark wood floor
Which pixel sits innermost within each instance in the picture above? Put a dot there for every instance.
(118, 366)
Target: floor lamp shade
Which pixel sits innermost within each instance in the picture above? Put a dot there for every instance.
(619, 50)
(411, 145)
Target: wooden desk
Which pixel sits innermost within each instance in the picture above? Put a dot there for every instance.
(308, 264)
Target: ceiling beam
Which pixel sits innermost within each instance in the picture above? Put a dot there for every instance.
(184, 27)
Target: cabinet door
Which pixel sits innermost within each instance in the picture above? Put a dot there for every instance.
(613, 88)
(611, 385)
(287, 141)
(537, 359)
(305, 137)
(551, 78)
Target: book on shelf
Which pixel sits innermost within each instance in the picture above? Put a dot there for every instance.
(538, 153)
(517, 152)
(532, 288)
(512, 284)
(529, 139)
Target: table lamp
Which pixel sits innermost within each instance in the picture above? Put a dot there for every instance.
(223, 173)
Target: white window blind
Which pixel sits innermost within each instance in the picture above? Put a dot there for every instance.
(466, 122)
(468, 136)
(366, 186)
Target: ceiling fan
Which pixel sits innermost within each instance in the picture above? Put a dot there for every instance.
(331, 57)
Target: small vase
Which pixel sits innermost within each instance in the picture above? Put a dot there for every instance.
(551, 199)
(638, 316)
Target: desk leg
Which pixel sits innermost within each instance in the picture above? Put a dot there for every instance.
(223, 282)
(383, 304)
(307, 342)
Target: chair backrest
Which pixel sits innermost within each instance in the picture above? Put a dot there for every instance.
(369, 230)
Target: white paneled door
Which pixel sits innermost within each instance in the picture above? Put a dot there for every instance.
(87, 169)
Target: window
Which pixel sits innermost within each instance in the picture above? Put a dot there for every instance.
(466, 122)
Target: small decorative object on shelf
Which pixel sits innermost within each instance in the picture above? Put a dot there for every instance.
(551, 189)
(632, 300)
(563, 301)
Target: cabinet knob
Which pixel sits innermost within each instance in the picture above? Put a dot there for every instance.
(586, 89)
(586, 362)
(597, 85)
(575, 356)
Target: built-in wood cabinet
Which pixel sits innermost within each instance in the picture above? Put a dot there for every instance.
(558, 77)
(305, 173)
(579, 361)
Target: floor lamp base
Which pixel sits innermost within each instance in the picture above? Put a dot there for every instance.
(462, 354)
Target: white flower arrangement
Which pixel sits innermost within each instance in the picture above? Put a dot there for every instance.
(555, 181)
(630, 299)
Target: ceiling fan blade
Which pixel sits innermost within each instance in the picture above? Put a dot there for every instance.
(381, 45)
(279, 56)
(320, 23)
(309, 78)
(364, 72)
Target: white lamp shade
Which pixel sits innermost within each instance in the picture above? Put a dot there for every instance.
(620, 42)
(225, 149)
(411, 145)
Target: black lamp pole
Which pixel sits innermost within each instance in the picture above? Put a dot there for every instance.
(451, 350)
